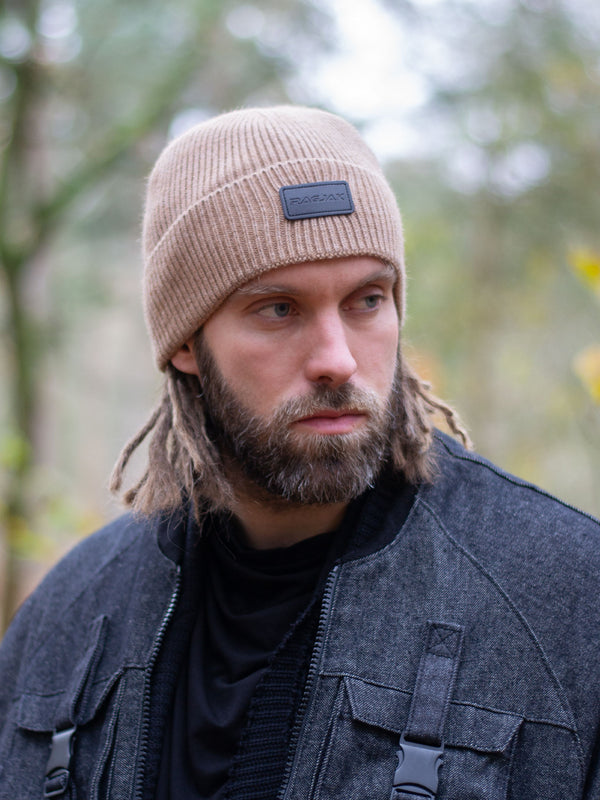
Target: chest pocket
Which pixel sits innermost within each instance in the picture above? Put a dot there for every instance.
(360, 759)
(419, 745)
(48, 722)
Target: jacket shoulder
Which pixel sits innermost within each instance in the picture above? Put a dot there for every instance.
(88, 579)
(472, 488)
(126, 538)
(541, 554)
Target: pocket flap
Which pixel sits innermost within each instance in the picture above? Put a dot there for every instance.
(481, 729)
(39, 712)
(76, 695)
(43, 713)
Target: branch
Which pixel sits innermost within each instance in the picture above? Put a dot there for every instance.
(117, 144)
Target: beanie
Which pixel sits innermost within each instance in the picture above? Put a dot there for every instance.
(249, 191)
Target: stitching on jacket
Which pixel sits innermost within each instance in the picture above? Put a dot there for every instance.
(458, 703)
(473, 458)
(118, 552)
(558, 686)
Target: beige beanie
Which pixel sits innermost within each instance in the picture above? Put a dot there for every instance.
(250, 191)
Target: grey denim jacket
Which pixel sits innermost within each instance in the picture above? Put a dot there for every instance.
(458, 661)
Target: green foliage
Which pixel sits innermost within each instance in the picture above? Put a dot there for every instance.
(587, 367)
(15, 451)
(505, 189)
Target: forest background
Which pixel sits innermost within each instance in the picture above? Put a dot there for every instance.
(486, 116)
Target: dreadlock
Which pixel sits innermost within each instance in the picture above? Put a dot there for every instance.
(414, 408)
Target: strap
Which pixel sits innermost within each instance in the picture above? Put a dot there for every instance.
(421, 745)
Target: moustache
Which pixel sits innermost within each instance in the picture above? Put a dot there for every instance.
(323, 398)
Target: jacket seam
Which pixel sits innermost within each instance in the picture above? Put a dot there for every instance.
(523, 621)
(91, 578)
(473, 458)
(463, 703)
(420, 501)
(110, 679)
(369, 557)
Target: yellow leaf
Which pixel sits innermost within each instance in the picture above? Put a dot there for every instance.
(587, 368)
(586, 265)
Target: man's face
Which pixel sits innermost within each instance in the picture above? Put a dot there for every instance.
(297, 369)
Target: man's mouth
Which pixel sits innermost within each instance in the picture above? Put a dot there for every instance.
(331, 421)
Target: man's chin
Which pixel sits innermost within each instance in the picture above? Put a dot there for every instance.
(324, 482)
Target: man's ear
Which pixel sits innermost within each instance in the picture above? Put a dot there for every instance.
(184, 360)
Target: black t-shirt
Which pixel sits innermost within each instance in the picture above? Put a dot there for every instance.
(249, 600)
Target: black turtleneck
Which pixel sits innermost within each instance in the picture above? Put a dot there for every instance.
(231, 672)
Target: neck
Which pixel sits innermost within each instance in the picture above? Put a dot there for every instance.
(267, 525)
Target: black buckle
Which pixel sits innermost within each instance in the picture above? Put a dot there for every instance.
(57, 769)
(417, 771)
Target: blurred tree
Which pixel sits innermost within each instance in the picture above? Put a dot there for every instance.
(504, 190)
(84, 84)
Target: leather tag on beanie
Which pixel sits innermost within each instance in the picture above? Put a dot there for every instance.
(323, 199)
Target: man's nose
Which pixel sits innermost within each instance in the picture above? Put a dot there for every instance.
(330, 360)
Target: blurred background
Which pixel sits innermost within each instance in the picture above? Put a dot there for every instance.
(486, 116)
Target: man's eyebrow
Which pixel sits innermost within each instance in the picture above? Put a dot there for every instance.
(255, 288)
(265, 288)
(384, 274)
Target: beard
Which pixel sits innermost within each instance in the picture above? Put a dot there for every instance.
(284, 465)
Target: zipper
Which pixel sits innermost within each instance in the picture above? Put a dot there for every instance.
(302, 714)
(146, 702)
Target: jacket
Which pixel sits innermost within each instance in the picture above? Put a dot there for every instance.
(458, 661)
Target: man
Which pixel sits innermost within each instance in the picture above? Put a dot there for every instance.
(316, 595)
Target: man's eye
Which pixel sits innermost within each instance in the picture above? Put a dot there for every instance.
(276, 310)
(371, 301)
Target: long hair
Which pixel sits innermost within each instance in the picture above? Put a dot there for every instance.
(183, 462)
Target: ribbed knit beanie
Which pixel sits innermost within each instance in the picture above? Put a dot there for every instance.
(249, 191)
